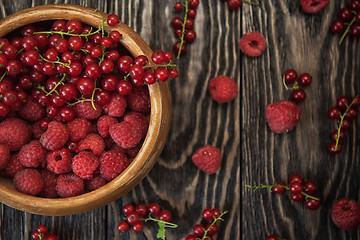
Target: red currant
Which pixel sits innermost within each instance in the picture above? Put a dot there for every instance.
(312, 204)
(309, 187)
(165, 215)
(123, 227)
(112, 20)
(290, 76)
(298, 95)
(128, 208)
(154, 209)
(278, 189)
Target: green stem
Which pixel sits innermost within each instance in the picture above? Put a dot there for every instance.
(61, 82)
(2, 77)
(346, 31)
(70, 34)
(183, 28)
(215, 220)
(67, 65)
(167, 224)
(167, 65)
(295, 86)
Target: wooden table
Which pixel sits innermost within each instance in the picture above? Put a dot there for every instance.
(250, 151)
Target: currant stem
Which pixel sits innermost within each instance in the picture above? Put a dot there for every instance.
(261, 186)
(67, 65)
(252, 3)
(346, 31)
(167, 224)
(215, 220)
(342, 116)
(69, 33)
(186, 5)
(295, 86)
(167, 65)
(57, 84)
(2, 77)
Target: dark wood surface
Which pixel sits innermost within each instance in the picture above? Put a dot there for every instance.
(250, 151)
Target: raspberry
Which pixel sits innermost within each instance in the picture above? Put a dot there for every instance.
(14, 133)
(132, 152)
(223, 89)
(31, 110)
(14, 166)
(86, 110)
(252, 44)
(78, 128)
(69, 185)
(140, 119)
(112, 163)
(55, 136)
(37, 130)
(32, 154)
(125, 135)
(29, 181)
(50, 180)
(4, 156)
(117, 105)
(59, 161)
(283, 116)
(346, 214)
(313, 6)
(84, 164)
(92, 142)
(95, 183)
(207, 159)
(103, 124)
(139, 99)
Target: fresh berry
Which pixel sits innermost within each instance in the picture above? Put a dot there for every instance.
(32, 154)
(95, 183)
(312, 204)
(84, 164)
(278, 189)
(31, 110)
(14, 166)
(123, 227)
(253, 44)
(4, 156)
(59, 161)
(50, 180)
(313, 6)
(282, 116)
(207, 214)
(223, 89)
(55, 136)
(128, 208)
(139, 100)
(138, 118)
(117, 106)
(290, 75)
(86, 110)
(104, 123)
(69, 185)
(165, 215)
(112, 163)
(345, 214)
(207, 159)
(126, 135)
(154, 209)
(78, 128)
(29, 181)
(14, 133)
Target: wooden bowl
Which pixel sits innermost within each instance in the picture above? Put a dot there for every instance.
(153, 143)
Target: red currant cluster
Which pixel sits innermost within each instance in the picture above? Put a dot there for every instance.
(348, 21)
(344, 111)
(236, 4)
(184, 28)
(299, 190)
(72, 63)
(210, 228)
(298, 94)
(40, 233)
(135, 217)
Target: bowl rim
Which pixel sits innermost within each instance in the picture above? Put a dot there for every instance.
(153, 144)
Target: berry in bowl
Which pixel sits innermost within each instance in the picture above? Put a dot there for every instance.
(84, 111)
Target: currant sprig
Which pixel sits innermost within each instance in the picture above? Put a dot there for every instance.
(263, 186)
(162, 225)
(347, 28)
(216, 219)
(294, 87)
(186, 5)
(340, 123)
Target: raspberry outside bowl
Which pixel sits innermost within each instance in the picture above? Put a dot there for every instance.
(159, 120)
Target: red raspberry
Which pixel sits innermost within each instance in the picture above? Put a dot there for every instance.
(69, 185)
(132, 152)
(4, 156)
(14, 166)
(86, 110)
(59, 161)
(55, 136)
(112, 163)
(95, 183)
(139, 99)
(252, 44)
(78, 128)
(140, 119)
(207, 159)
(50, 180)
(29, 181)
(313, 6)
(37, 130)
(14, 133)
(283, 116)
(125, 135)
(31, 110)
(32, 154)
(103, 124)
(346, 214)
(92, 142)
(223, 89)
(117, 105)
(84, 164)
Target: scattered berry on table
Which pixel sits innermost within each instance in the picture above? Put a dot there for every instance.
(345, 214)
(313, 6)
(252, 44)
(223, 89)
(207, 159)
(282, 116)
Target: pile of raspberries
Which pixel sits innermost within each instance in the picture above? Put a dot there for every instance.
(54, 159)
